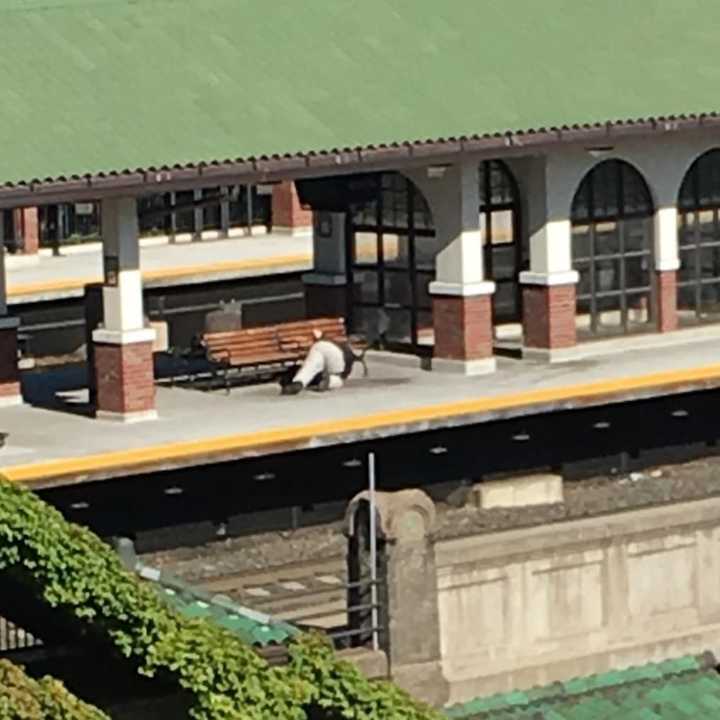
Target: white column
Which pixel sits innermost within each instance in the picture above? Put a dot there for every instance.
(667, 256)
(462, 302)
(124, 320)
(123, 356)
(456, 206)
(549, 230)
(549, 300)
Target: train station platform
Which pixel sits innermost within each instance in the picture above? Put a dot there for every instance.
(53, 441)
(162, 264)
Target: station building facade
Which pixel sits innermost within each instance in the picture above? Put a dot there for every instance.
(544, 252)
(543, 204)
(547, 253)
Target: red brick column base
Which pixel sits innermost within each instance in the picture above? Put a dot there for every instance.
(287, 213)
(9, 374)
(27, 223)
(463, 333)
(667, 316)
(549, 317)
(125, 381)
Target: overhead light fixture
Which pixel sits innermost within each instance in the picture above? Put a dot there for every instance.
(264, 476)
(521, 437)
(354, 463)
(174, 491)
(597, 152)
(437, 171)
(80, 505)
(438, 450)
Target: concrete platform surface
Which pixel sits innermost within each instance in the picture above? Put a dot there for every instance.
(50, 278)
(50, 444)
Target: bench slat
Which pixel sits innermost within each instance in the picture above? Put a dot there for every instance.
(281, 343)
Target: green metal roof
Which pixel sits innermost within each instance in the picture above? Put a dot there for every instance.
(92, 86)
(251, 627)
(683, 689)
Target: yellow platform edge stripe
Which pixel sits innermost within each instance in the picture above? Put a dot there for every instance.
(195, 448)
(36, 288)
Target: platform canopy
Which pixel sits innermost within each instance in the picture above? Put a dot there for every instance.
(92, 86)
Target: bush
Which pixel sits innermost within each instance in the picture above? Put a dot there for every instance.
(76, 572)
(22, 698)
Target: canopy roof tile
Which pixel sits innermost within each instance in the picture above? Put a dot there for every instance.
(96, 87)
(687, 687)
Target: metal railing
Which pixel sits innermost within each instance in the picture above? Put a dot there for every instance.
(13, 637)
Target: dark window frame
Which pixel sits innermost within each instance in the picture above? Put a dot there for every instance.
(488, 206)
(699, 193)
(357, 222)
(591, 218)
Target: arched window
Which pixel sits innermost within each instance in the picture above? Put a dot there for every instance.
(699, 240)
(392, 249)
(500, 229)
(612, 247)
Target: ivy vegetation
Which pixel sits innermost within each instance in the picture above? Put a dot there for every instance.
(23, 698)
(74, 571)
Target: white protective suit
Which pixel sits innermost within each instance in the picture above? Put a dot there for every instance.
(325, 359)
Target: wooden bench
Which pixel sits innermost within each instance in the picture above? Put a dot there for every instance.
(269, 350)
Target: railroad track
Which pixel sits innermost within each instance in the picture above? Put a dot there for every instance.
(312, 592)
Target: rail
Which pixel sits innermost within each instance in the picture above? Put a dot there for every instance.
(13, 637)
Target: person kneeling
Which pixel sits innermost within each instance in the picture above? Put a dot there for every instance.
(327, 365)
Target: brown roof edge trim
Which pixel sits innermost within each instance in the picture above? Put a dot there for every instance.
(143, 179)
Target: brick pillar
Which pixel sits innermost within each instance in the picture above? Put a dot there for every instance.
(9, 374)
(27, 226)
(463, 333)
(667, 316)
(288, 216)
(124, 376)
(549, 316)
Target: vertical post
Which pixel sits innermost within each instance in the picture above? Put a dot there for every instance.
(9, 373)
(249, 208)
(3, 280)
(326, 286)
(462, 296)
(373, 551)
(53, 224)
(224, 212)
(123, 345)
(173, 218)
(667, 264)
(197, 216)
(549, 296)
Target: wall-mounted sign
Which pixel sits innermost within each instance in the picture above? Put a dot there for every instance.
(112, 270)
(324, 225)
(84, 208)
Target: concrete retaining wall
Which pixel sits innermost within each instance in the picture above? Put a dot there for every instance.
(531, 606)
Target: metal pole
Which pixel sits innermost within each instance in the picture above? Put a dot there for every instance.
(249, 206)
(3, 281)
(373, 553)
